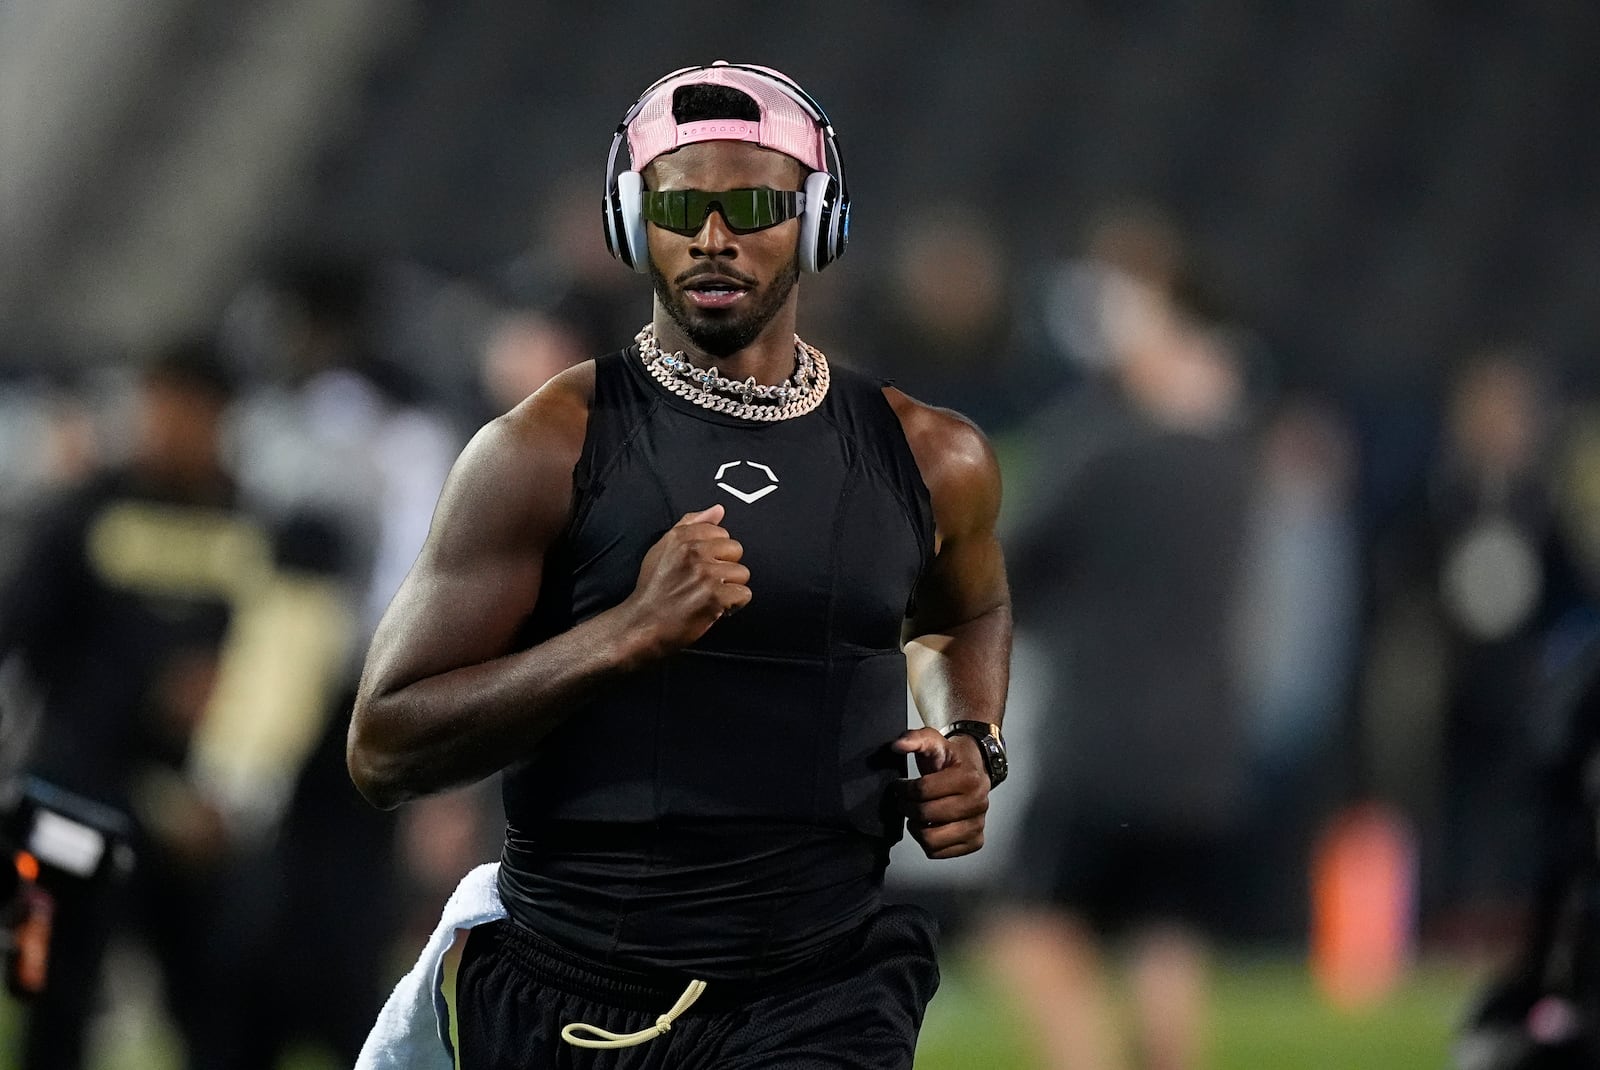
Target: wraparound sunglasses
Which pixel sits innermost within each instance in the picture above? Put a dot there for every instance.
(684, 211)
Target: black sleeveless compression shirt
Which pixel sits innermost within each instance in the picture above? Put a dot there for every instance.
(727, 811)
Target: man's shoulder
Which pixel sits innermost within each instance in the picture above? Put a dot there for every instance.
(953, 456)
(553, 414)
(539, 440)
(938, 432)
(516, 473)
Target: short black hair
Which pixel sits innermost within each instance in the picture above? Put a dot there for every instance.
(692, 103)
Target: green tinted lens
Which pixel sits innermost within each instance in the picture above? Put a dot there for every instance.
(684, 211)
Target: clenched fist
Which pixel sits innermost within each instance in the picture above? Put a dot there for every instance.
(946, 805)
(689, 580)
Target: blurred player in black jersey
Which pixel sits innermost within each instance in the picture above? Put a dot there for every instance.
(119, 610)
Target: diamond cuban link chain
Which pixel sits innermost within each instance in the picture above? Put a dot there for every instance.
(749, 400)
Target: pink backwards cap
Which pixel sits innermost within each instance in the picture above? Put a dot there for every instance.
(785, 125)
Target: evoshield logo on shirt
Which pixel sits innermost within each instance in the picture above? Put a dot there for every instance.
(762, 484)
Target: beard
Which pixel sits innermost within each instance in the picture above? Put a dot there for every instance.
(721, 334)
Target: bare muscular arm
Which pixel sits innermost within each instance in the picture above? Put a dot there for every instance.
(445, 699)
(958, 647)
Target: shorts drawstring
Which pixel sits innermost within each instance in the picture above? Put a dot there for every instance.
(608, 1039)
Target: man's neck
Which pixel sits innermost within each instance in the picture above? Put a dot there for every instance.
(770, 358)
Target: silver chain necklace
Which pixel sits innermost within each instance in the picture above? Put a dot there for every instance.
(749, 400)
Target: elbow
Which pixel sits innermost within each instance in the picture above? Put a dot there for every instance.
(381, 791)
(375, 771)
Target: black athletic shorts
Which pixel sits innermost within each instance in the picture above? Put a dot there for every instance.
(858, 1004)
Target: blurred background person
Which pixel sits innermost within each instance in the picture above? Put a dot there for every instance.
(528, 344)
(338, 434)
(1477, 576)
(1296, 658)
(1131, 250)
(1128, 575)
(120, 611)
(944, 321)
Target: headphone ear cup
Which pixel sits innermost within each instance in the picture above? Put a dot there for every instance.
(631, 246)
(816, 221)
(838, 234)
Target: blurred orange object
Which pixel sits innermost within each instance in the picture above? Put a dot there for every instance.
(33, 914)
(27, 867)
(1363, 906)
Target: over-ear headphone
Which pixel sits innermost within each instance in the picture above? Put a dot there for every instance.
(824, 219)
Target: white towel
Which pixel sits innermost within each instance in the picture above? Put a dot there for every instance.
(413, 1029)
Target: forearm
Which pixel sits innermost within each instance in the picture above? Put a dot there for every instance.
(457, 727)
(961, 673)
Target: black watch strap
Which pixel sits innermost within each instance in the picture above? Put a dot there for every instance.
(990, 744)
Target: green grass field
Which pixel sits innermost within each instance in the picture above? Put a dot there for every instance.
(1267, 1018)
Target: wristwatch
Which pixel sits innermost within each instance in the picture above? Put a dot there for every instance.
(990, 745)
